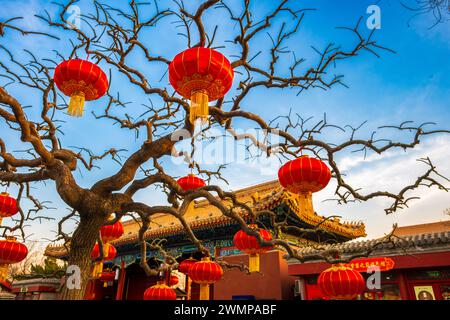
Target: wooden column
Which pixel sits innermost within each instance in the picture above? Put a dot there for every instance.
(403, 286)
(121, 284)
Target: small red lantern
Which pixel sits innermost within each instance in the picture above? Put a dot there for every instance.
(8, 205)
(11, 252)
(173, 281)
(81, 80)
(184, 267)
(303, 176)
(106, 277)
(201, 75)
(249, 245)
(191, 182)
(186, 264)
(341, 283)
(205, 272)
(109, 254)
(160, 291)
(111, 232)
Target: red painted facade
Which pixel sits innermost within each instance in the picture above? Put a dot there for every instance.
(414, 277)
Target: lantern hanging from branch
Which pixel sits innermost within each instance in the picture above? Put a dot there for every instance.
(82, 81)
(205, 272)
(11, 252)
(191, 182)
(109, 254)
(184, 267)
(111, 232)
(160, 291)
(8, 205)
(304, 176)
(200, 75)
(341, 283)
(250, 245)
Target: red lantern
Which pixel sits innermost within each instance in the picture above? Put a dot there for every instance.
(160, 291)
(201, 75)
(249, 245)
(184, 267)
(303, 176)
(341, 283)
(8, 205)
(11, 252)
(191, 182)
(111, 231)
(186, 264)
(81, 80)
(173, 281)
(109, 254)
(205, 272)
(106, 277)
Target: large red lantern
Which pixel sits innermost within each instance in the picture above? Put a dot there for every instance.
(81, 80)
(11, 252)
(201, 75)
(109, 254)
(205, 272)
(250, 245)
(191, 182)
(341, 283)
(111, 231)
(8, 205)
(304, 176)
(160, 291)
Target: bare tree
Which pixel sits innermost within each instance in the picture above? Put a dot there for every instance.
(113, 36)
(438, 9)
(34, 256)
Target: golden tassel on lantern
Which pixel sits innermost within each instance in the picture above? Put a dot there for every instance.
(199, 108)
(204, 291)
(305, 203)
(188, 288)
(253, 263)
(98, 269)
(76, 104)
(3, 272)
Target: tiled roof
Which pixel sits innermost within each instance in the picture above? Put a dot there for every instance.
(440, 226)
(202, 215)
(434, 241)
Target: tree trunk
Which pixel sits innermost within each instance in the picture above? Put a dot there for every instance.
(81, 245)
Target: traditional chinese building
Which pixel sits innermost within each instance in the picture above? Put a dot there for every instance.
(217, 232)
(417, 268)
(5, 291)
(36, 288)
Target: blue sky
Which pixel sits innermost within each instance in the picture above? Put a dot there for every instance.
(412, 84)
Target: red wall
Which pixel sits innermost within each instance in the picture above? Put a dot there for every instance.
(272, 283)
